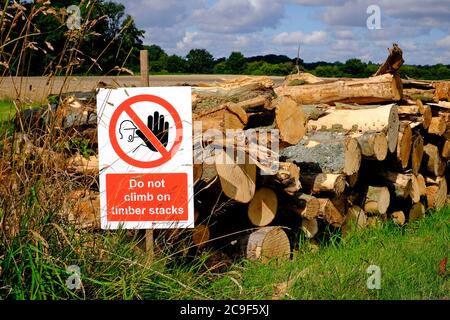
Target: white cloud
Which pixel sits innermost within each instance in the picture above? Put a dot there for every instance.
(239, 16)
(298, 37)
(443, 43)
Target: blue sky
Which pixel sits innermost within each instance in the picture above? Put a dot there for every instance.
(327, 30)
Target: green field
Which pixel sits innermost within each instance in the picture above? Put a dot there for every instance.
(33, 267)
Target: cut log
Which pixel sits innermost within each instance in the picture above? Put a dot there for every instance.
(404, 145)
(323, 182)
(200, 235)
(288, 175)
(377, 200)
(310, 228)
(266, 244)
(422, 184)
(233, 87)
(84, 209)
(384, 88)
(353, 180)
(417, 153)
(442, 90)
(198, 172)
(432, 161)
(446, 150)
(437, 126)
(355, 219)
(416, 212)
(421, 114)
(330, 214)
(436, 192)
(303, 205)
(237, 180)
(373, 145)
(81, 165)
(301, 78)
(393, 62)
(263, 207)
(398, 217)
(289, 119)
(383, 119)
(325, 152)
(402, 185)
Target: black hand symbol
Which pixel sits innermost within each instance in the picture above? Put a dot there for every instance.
(160, 129)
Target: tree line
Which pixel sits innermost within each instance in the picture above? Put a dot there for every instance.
(109, 43)
(202, 61)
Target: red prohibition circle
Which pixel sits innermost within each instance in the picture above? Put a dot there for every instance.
(126, 107)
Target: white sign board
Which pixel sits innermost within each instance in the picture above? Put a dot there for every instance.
(145, 157)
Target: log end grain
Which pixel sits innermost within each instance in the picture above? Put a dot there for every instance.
(263, 207)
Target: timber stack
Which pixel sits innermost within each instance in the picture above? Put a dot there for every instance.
(352, 153)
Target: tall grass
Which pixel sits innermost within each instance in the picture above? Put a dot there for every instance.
(38, 244)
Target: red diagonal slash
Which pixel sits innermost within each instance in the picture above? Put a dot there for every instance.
(147, 132)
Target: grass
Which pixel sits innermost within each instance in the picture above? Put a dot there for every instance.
(7, 110)
(33, 266)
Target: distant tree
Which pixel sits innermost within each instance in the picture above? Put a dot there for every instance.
(354, 67)
(235, 63)
(111, 39)
(221, 68)
(200, 61)
(157, 58)
(176, 64)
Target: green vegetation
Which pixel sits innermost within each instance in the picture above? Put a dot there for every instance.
(111, 41)
(6, 110)
(201, 61)
(33, 265)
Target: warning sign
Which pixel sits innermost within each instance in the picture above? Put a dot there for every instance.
(145, 154)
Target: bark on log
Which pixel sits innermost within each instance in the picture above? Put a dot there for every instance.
(355, 219)
(303, 205)
(437, 126)
(234, 87)
(404, 145)
(323, 182)
(373, 145)
(417, 211)
(377, 119)
(415, 113)
(403, 185)
(310, 228)
(398, 217)
(330, 214)
(417, 153)
(287, 177)
(325, 152)
(263, 207)
(436, 192)
(422, 184)
(442, 90)
(384, 88)
(446, 150)
(393, 62)
(432, 161)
